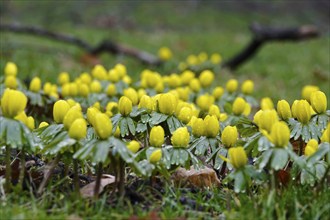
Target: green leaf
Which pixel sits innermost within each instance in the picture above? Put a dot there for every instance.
(184, 156)
(279, 158)
(202, 147)
(123, 126)
(239, 184)
(157, 118)
(120, 147)
(131, 125)
(171, 124)
(14, 134)
(145, 118)
(141, 127)
(323, 149)
(85, 151)
(101, 153)
(306, 136)
(320, 169)
(264, 158)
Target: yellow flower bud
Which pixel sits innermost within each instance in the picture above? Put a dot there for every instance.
(164, 53)
(155, 156)
(22, 117)
(247, 109)
(237, 157)
(66, 90)
(11, 82)
(73, 114)
(91, 113)
(30, 123)
(156, 137)
(125, 106)
(283, 109)
(83, 90)
(35, 84)
(63, 78)
(313, 143)
(111, 90)
(266, 120)
(326, 135)
(146, 102)
(187, 76)
(99, 72)
(132, 95)
(280, 134)
(232, 85)
(206, 78)
(195, 85)
(73, 87)
(216, 58)
(180, 137)
(212, 126)
(95, 86)
(85, 78)
(167, 103)
(192, 60)
(133, 146)
(309, 150)
(10, 69)
(294, 108)
(102, 125)
(214, 110)
(198, 127)
(113, 76)
(239, 106)
(174, 80)
(185, 114)
(12, 103)
(223, 117)
(121, 70)
(307, 91)
(127, 80)
(229, 136)
(205, 101)
(267, 103)
(217, 92)
(43, 124)
(202, 57)
(112, 107)
(159, 87)
(247, 87)
(117, 132)
(303, 111)
(184, 93)
(47, 88)
(318, 101)
(78, 129)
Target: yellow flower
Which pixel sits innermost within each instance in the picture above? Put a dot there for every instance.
(35, 84)
(132, 95)
(283, 109)
(247, 87)
(247, 109)
(43, 124)
(47, 88)
(237, 157)
(239, 106)
(95, 86)
(326, 135)
(232, 85)
(78, 129)
(99, 72)
(205, 101)
(10, 69)
(164, 53)
(63, 78)
(267, 103)
(214, 110)
(85, 78)
(184, 93)
(12, 103)
(91, 113)
(167, 103)
(111, 90)
(112, 107)
(146, 102)
(11, 82)
(266, 120)
(216, 58)
(73, 114)
(22, 117)
(185, 114)
(217, 92)
(155, 156)
(187, 76)
(294, 108)
(307, 91)
(180, 137)
(229, 136)
(156, 137)
(133, 146)
(223, 117)
(206, 78)
(280, 134)
(195, 85)
(318, 101)
(113, 76)
(174, 80)
(198, 127)
(127, 80)
(102, 125)
(212, 126)
(202, 57)
(125, 106)
(303, 111)
(83, 90)
(117, 132)
(311, 147)
(30, 123)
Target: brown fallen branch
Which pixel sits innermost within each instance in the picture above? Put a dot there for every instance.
(104, 47)
(262, 35)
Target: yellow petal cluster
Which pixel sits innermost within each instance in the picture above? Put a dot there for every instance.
(102, 125)
(180, 137)
(125, 106)
(157, 136)
(237, 157)
(12, 103)
(229, 136)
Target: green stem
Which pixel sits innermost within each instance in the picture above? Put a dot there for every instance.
(273, 179)
(301, 146)
(121, 187)
(98, 180)
(22, 168)
(48, 174)
(75, 174)
(8, 169)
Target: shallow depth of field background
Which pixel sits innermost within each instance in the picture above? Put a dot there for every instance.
(279, 70)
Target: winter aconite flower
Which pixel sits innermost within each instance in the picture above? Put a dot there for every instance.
(214, 110)
(10, 69)
(30, 123)
(43, 124)
(212, 126)
(95, 86)
(91, 113)
(311, 147)
(78, 129)
(156, 138)
(102, 125)
(146, 102)
(307, 91)
(206, 78)
(280, 134)
(266, 119)
(164, 53)
(283, 109)
(198, 126)
(63, 78)
(11, 82)
(232, 85)
(195, 85)
(185, 114)
(133, 146)
(229, 136)
(99, 72)
(61, 107)
(167, 103)
(237, 157)
(132, 95)
(73, 114)
(318, 101)
(111, 90)
(12, 103)
(180, 137)
(35, 84)
(247, 87)
(155, 156)
(217, 92)
(267, 104)
(302, 111)
(326, 134)
(205, 101)
(239, 106)
(125, 106)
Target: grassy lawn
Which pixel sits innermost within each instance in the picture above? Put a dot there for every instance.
(279, 70)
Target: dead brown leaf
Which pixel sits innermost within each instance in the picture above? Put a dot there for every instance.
(88, 190)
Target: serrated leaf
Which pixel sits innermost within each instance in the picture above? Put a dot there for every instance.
(157, 118)
(323, 149)
(279, 158)
(102, 149)
(264, 158)
(123, 126)
(171, 124)
(120, 147)
(239, 184)
(131, 126)
(140, 128)
(306, 135)
(202, 147)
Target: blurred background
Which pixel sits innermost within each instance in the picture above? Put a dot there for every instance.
(280, 69)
